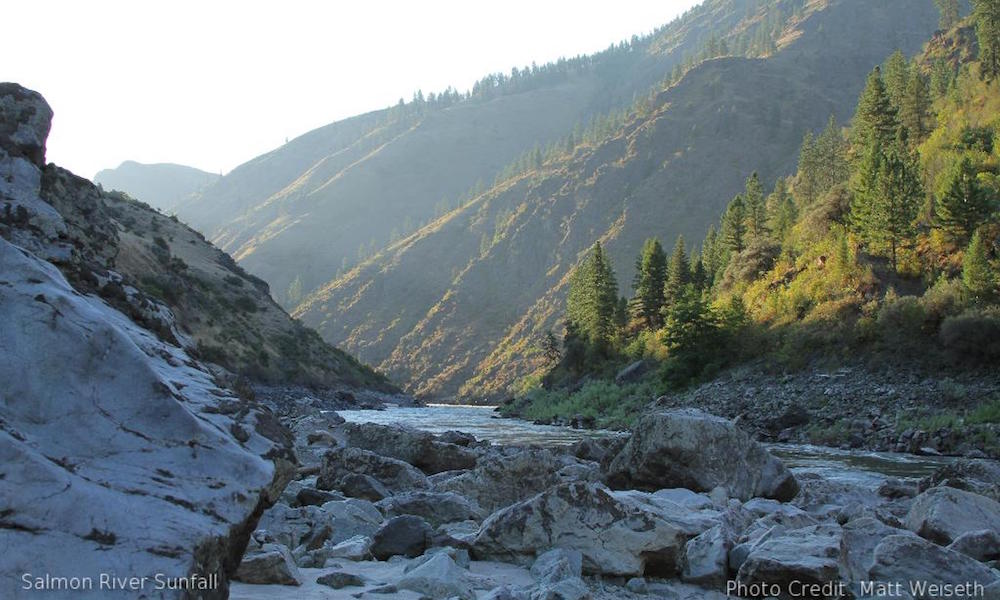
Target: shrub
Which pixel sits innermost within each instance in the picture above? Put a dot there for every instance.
(973, 335)
(245, 304)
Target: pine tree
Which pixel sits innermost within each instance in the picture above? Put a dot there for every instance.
(650, 277)
(949, 13)
(963, 203)
(977, 274)
(914, 109)
(710, 255)
(831, 158)
(987, 16)
(678, 272)
(887, 194)
(806, 180)
(698, 276)
(875, 120)
(781, 210)
(895, 74)
(734, 227)
(756, 211)
(592, 301)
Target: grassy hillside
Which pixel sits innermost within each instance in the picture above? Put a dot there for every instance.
(462, 305)
(163, 186)
(310, 210)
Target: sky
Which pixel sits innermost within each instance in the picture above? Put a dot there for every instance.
(214, 83)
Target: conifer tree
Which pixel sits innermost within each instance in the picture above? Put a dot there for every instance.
(806, 180)
(756, 211)
(678, 272)
(781, 210)
(963, 203)
(734, 227)
(710, 255)
(592, 301)
(831, 158)
(977, 274)
(650, 277)
(895, 74)
(914, 109)
(949, 13)
(987, 17)
(875, 120)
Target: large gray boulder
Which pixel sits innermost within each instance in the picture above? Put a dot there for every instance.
(618, 533)
(438, 577)
(698, 451)
(811, 555)
(437, 508)
(332, 523)
(908, 558)
(395, 475)
(418, 448)
(272, 564)
(942, 514)
(406, 535)
(502, 478)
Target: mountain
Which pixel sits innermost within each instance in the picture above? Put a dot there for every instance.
(163, 185)
(313, 208)
(460, 306)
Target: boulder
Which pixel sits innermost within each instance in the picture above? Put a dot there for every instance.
(335, 521)
(405, 535)
(942, 514)
(418, 448)
(437, 508)
(308, 496)
(504, 477)
(977, 476)
(810, 555)
(909, 558)
(698, 451)
(557, 564)
(339, 580)
(982, 545)
(861, 537)
(25, 125)
(589, 449)
(273, 564)
(459, 438)
(353, 548)
(616, 533)
(706, 557)
(395, 475)
(359, 485)
(438, 577)
(572, 588)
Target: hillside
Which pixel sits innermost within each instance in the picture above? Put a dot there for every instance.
(163, 185)
(313, 208)
(461, 306)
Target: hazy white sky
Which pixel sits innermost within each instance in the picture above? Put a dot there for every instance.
(212, 84)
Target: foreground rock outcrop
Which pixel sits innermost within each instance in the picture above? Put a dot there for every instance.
(119, 452)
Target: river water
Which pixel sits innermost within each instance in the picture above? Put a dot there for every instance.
(862, 467)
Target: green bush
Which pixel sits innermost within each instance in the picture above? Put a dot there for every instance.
(973, 335)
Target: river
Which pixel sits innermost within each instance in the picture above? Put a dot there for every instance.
(866, 468)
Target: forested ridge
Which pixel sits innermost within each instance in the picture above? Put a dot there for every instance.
(880, 250)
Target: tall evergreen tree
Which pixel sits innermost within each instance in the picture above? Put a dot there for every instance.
(949, 13)
(977, 274)
(807, 178)
(875, 120)
(887, 194)
(831, 158)
(650, 277)
(734, 228)
(987, 17)
(914, 108)
(895, 74)
(710, 255)
(963, 203)
(678, 272)
(756, 211)
(592, 301)
(781, 210)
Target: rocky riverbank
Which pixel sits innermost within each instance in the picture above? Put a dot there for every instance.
(684, 507)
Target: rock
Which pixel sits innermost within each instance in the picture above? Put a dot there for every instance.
(633, 372)
(395, 475)
(437, 508)
(942, 514)
(982, 545)
(405, 535)
(573, 588)
(410, 445)
(366, 487)
(506, 592)
(335, 521)
(861, 537)
(321, 438)
(977, 476)
(115, 455)
(272, 565)
(459, 555)
(459, 438)
(463, 531)
(822, 497)
(706, 557)
(501, 479)
(557, 564)
(616, 533)
(589, 449)
(811, 556)
(25, 125)
(895, 489)
(694, 450)
(909, 558)
(312, 497)
(637, 585)
(339, 580)
(438, 577)
(353, 548)
(686, 498)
